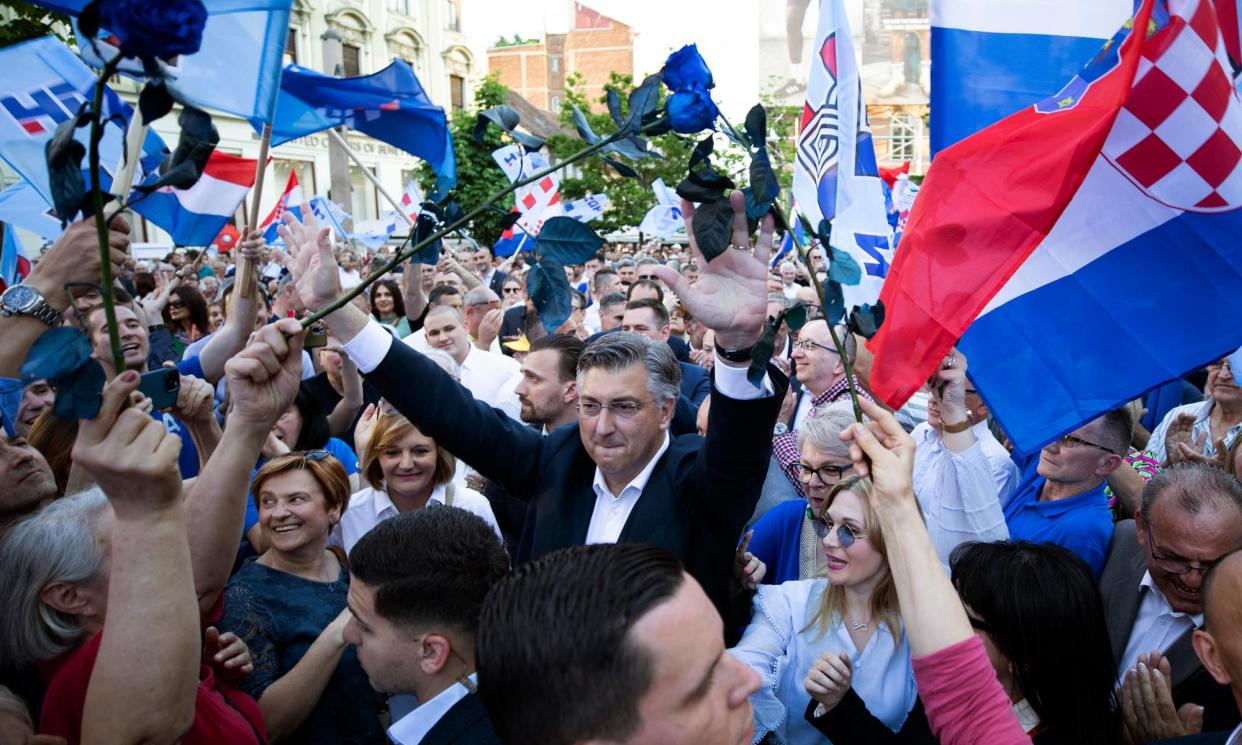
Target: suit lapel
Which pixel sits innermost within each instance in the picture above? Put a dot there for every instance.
(579, 503)
(1125, 594)
(649, 518)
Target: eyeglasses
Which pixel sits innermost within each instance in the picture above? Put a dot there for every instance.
(807, 345)
(176, 304)
(1178, 566)
(314, 455)
(1216, 367)
(846, 535)
(828, 474)
(619, 409)
(1070, 441)
(646, 276)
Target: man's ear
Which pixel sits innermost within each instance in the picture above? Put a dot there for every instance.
(1209, 653)
(435, 653)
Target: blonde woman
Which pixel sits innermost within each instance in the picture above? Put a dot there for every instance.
(844, 625)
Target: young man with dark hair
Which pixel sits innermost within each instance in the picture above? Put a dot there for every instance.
(609, 643)
(418, 581)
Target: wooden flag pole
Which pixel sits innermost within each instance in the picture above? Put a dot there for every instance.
(246, 270)
(370, 176)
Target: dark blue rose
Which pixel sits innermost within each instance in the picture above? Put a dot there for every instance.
(685, 68)
(155, 28)
(691, 110)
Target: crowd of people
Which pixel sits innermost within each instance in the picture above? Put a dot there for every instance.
(430, 519)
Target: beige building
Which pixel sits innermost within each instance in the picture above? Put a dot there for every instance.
(594, 46)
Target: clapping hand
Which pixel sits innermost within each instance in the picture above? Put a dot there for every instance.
(195, 401)
(1147, 703)
(829, 678)
(131, 456)
(731, 294)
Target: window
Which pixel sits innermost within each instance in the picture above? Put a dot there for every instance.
(291, 47)
(556, 64)
(454, 15)
(399, 6)
(350, 60)
(556, 104)
(457, 91)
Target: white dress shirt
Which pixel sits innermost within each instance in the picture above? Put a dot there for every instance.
(612, 510)
(1236, 737)
(960, 493)
(1155, 628)
(413, 727)
(484, 374)
(590, 318)
(369, 507)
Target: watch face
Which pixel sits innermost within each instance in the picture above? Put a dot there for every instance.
(20, 298)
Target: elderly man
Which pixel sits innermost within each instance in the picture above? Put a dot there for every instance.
(618, 475)
(1190, 518)
(789, 276)
(483, 317)
(27, 478)
(1202, 432)
(656, 671)
(1061, 499)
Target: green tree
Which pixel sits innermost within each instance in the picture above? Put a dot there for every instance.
(478, 176)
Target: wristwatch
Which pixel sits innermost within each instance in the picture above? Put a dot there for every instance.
(24, 300)
(736, 355)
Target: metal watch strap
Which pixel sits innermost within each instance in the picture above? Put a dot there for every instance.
(47, 314)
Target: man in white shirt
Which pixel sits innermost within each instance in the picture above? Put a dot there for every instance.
(483, 318)
(605, 282)
(350, 277)
(789, 275)
(417, 582)
(1190, 518)
(482, 373)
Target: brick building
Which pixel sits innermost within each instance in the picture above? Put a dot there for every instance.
(594, 46)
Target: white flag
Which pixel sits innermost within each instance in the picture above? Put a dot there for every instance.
(588, 208)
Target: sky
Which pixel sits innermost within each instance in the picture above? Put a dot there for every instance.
(723, 29)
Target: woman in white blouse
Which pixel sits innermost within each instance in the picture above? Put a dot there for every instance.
(407, 471)
(846, 624)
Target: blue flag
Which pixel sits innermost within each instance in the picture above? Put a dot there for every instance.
(46, 84)
(237, 68)
(389, 105)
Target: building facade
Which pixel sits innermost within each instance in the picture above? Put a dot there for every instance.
(426, 33)
(594, 46)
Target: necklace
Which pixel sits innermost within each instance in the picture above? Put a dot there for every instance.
(856, 626)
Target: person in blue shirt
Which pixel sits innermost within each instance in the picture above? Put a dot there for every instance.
(1061, 496)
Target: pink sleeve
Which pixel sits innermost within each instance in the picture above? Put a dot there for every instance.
(965, 704)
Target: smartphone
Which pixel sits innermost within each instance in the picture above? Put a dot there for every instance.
(316, 336)
(161, 386)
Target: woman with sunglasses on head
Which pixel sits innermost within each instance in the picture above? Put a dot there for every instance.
(844, 626)
(289, 606)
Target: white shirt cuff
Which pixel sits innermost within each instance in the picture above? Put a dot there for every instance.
(369, 347)
(732, 382)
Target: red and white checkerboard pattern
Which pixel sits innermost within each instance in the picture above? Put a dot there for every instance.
(1179, 135)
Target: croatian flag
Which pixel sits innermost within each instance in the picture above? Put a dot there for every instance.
(835, 173)
(412, 201)
(195, 216)
(513, 240)
(22, 206)
(796, 231)
(1064, 243)
(991, 58)
(14, 263)
(290, 201)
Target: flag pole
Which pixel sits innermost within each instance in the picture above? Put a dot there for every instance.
(135, 135)
(336, 136)
(245, 267)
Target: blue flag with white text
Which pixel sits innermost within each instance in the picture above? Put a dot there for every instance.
(389, 105)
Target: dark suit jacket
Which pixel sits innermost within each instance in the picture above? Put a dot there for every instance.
(1119, 585)
(698, 499)
(696, 382)
(464, 724)
(498, 283)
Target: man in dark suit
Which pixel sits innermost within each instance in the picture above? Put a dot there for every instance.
(484, 267)
(1219, 643)
(618, 475)
(417, 583)
(1191, 516)
(650, 318)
